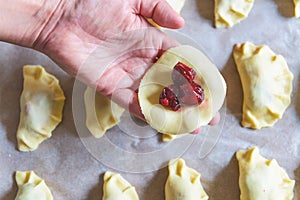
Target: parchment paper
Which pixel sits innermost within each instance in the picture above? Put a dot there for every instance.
(71, 172)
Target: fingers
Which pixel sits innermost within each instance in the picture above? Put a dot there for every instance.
(135, 108)
(134, 53)
(198, 130)
(161, 13)
(128, 99)
(214, 121)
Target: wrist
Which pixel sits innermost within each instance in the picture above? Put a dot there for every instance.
(22, 21)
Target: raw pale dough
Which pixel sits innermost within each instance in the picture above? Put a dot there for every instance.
(189, 118)
(41, 103)
(177, 5)
(105, 115)
(115, 187)
(31, 187)
(169, 137)
(231, 12)
(262, 179)
(183, 182)
(297, 8)
(267, 84)
(101, 113)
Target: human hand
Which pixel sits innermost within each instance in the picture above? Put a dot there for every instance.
(107, 44)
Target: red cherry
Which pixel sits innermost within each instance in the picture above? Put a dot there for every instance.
(169, 99)
(199, 92)
(182, 74)
(192, 94)
(184, 90)
(165, 102)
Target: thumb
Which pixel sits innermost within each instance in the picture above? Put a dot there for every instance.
(160, 12)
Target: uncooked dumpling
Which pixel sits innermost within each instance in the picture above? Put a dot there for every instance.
(115, 187)
(297, 8)
(183, 183)
(230, 12)
(41, 103)
(31, 187)
(262, 179)
(177, 5)
(169, 137)
(101, 113)
(267, 84)
(189, 118)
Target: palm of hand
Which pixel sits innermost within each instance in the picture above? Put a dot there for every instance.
(105, 44)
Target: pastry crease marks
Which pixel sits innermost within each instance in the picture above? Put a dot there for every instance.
(261, 178)
(117, 188)
(41, 103)
(101, 113)
(267, 84)
(297, 8)
(183, 183)
(231, 12)
(31, 187)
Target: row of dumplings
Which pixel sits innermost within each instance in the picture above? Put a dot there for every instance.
(259, 179)
(42, 102)
(266, 81)
(265, 76)
(228, 12)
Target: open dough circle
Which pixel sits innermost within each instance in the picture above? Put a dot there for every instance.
(189, 118)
